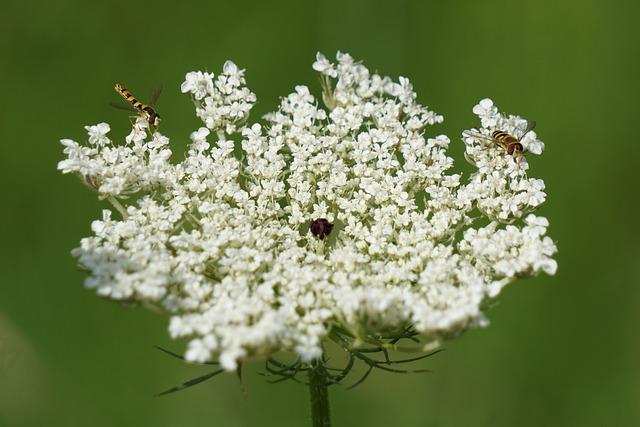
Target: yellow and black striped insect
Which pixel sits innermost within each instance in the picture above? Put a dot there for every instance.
(146, 111)
(510, 143)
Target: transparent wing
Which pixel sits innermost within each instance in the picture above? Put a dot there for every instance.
(531, 124)
(123, 106)
(155, 94)
(470, 134)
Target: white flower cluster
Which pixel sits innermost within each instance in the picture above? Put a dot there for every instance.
(120, 170)
(344, 217)
(223, 104)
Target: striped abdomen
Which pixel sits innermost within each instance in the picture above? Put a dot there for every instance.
(130, 98)
(503, 138)
(508, 142)
(145, 110)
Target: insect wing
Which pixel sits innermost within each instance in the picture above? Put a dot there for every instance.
(531, 124)
(155, 94)
(123, 106)
(477, 135)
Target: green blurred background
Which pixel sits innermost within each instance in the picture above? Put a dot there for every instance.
(561, 351)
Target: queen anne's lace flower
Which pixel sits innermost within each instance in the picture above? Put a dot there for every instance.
(265, 237)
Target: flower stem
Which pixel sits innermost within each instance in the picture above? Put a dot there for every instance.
(116, 204)
(319, 395)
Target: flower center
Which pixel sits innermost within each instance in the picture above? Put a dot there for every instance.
(321, 228)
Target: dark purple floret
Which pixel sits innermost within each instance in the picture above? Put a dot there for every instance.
(321, 228)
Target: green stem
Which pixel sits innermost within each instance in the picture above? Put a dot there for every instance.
(319, 395)
(116, 204)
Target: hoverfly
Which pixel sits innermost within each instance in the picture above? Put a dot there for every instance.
(508, 142)
(146, 111)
